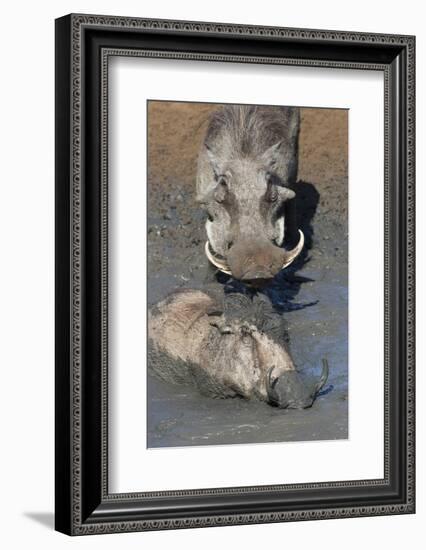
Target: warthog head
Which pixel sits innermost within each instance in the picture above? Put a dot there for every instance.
(250, 348)
(246, 167)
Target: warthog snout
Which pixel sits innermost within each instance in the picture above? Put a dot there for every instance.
(289, 392)
(254, 260)
(257, 261)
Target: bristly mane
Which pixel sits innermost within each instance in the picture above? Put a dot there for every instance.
(237, 131)
(258, 311)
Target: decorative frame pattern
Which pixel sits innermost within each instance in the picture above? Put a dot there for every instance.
(83, 503)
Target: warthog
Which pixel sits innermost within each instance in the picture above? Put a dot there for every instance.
(246, 166)
(236, 348)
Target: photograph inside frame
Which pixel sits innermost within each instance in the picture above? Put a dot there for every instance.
(247, 274)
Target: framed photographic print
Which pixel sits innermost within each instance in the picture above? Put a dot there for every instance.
(234, 274)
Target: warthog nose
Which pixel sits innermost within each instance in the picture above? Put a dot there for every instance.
(257, 278)
(254, 259)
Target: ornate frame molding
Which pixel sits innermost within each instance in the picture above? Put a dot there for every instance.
(72, 47)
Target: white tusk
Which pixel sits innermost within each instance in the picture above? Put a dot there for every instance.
(292, 254)
(221, 266)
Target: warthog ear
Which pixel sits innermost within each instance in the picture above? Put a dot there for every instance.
(214, 160)
(287, 193)
(271, 156)
(205, 183)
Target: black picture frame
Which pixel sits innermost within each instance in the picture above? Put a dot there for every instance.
(83, 45)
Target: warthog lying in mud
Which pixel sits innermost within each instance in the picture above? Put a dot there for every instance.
(236, 348)
(246, 167)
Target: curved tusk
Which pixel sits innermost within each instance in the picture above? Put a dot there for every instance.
(324, 376)
(291, 255)
(215, 261)
(271, 382)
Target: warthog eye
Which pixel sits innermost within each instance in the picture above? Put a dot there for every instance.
(271, 194)
(221, 326)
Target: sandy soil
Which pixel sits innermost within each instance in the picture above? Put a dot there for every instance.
(313, 294)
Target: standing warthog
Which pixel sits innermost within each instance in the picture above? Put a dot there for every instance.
(229, 349)
(246, 166)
